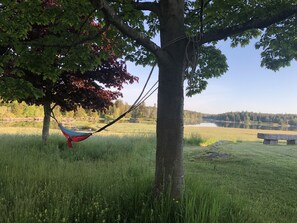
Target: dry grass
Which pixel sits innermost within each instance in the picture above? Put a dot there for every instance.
(210, 134)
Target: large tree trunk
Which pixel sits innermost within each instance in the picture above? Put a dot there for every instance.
(46, 121)
(169, 156)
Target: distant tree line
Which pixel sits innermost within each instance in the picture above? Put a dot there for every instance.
(22, 110)
(251, 117)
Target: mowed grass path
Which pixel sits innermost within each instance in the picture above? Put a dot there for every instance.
(110, 177)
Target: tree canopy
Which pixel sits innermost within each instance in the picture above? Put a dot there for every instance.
(49, 55)
(37, 31)
(205, 23)
(39, 65)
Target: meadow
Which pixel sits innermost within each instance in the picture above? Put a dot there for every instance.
(230, 177)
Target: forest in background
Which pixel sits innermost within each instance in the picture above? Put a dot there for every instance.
(254, 118)
(15, 110)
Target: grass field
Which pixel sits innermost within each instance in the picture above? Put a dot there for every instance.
(109, 178)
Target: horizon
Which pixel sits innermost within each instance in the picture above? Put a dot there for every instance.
(246, 86)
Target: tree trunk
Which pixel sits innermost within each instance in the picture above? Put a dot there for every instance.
(46, 121)
(169, 156)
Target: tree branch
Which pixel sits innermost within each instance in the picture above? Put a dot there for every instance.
(139, 37)
(149, 6)
(252, 24)
(86, 20)
(70, 44)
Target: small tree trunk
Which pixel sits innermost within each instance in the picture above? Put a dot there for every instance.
(46, 121)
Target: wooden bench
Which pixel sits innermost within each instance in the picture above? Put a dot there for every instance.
(272, 139)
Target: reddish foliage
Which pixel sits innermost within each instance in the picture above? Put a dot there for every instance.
(50, 3)
(89, 90)
(94, 89)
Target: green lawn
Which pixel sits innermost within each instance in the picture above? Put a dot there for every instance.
(109, 178)
(260, 179)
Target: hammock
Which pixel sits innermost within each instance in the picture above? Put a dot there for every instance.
(73, 136)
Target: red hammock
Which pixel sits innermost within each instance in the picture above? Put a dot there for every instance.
(73, 136)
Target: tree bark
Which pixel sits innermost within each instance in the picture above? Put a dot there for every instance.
(169, 156)
(46, 121)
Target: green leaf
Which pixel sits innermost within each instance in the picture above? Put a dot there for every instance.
(211, 63)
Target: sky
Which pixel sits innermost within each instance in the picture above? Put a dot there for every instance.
(246, 86)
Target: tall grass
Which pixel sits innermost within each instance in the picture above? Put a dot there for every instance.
(194, 139)
(110, 179)
(106, 179)
(52, 184)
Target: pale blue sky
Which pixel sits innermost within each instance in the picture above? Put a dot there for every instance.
(246, 86)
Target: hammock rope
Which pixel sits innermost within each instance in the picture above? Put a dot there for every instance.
(74, 136)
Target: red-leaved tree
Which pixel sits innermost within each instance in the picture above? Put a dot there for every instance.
(40, 67)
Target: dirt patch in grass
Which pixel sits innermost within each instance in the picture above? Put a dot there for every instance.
(214, 155)
(210, 155)
(212, 151)
(217, 144)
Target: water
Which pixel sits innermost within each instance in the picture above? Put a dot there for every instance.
(204, 124)
(266, 126)
(38, 124)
